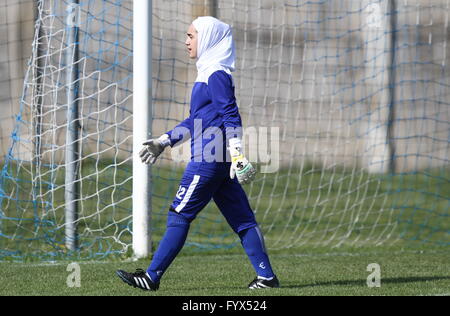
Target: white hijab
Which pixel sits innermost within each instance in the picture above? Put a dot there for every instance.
(215, 49)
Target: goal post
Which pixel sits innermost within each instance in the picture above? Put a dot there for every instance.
(72, 154)
(142, 119)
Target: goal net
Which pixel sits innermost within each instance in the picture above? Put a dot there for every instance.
(345, 105)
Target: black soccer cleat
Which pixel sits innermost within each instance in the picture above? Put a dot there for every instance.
(139, 279)
(260, 283)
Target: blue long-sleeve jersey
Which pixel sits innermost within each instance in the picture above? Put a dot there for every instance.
(214, 118)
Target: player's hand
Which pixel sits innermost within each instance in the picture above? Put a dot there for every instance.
(240, 166)
(242, 169)
(153, 148)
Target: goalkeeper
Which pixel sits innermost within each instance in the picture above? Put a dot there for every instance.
(213, 104)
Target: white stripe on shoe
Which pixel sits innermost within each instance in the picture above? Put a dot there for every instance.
(146, 284)
(258, 285)
(263, 278)
(140, 282)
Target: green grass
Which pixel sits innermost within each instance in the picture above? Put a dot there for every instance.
(403, 272)
(326, 227)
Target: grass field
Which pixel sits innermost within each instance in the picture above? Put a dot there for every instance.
(324, 229)
(403, 272)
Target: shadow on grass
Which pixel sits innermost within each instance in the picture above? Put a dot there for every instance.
(334, 283)
(363, 282)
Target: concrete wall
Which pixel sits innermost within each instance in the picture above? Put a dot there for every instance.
(16, 35)
(320, 72)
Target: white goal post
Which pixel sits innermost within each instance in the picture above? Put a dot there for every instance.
(142, 112)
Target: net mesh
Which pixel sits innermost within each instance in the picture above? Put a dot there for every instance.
(356, 92)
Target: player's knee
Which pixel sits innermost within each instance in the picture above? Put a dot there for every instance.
(177, 220)
(243, 235)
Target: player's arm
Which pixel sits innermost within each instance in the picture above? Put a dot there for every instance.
(222, 92)
(155, 147)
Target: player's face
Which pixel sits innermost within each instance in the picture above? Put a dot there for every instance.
(191, 41)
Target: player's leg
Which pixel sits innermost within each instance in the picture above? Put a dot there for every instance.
(233, 203)
(170, 245)
(252, 241)
(194, 193)
(168, 248)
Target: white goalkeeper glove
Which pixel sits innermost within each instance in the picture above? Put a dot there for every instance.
(153, 148)
(240, 166)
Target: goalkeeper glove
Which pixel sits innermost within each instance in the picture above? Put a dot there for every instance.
(153, 148)
(240, 166)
